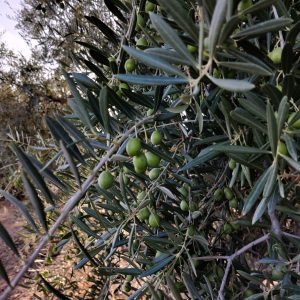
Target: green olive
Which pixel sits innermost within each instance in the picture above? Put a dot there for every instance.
(233, 203)
(143, 214)
(133, 147)
(184, 205)
(232, 164)
(130, 65)
(228, 193)
(153, 160)
(191, 230)
(192, 49)
(105, 180)
(149, 6)
(282, 148)
(275, 55)
(154, 220)
(218, 194)
(140, 163)
(156, 137)
(154, 173)
(142, 43)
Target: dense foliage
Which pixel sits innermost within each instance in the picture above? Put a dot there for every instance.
(180, 154)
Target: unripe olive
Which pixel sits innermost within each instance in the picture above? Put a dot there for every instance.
(156, 137)
(277, 273)
(227, 228)
(184, 192)
(140, 22)
(153, 160)
(220, 272)
(129, 278)
(133, 147)
(244, 4)
(150, 112)
(140, 163)
(233, 203)
(143, 214)
(248, 293)
(228, 193)
(275, 55)
(184, 205)
(149, 6)
(231, 164)
(125, 179)
(154, 173)
(105, 180)
(194, 206)
(154, 220)
(191, 230)
(142, 43)
(282, 148)
(130, 65)
(296, 124)
(192, 49)
(140, 196)
(218, 194)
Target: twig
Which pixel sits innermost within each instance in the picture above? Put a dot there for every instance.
(232, 257)
(70, 204)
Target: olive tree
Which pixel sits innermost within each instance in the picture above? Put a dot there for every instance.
(179, 157)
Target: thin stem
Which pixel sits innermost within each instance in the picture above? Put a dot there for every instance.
(232, 257)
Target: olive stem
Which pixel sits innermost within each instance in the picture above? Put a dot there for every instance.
(232, 257)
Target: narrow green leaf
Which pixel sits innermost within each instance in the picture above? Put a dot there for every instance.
(173, 289)
(205, 155)
(109, 33)
(244, 117)
(124, 271)
(153, 61)
(153, 292)
(272, 129)
(217, 21)
(19, 205)
(3, 273)
(293, 33)
(170, 36)
(59, 134)
(258, 6)
(271, 181)
(239, 149)
(256, 191)
(294, 164)
(84, 227)
(53, 290)
(260, 210)
(181, 17)
(232, 85)
(291, 146)
(77, 134)
(35, 201)
(255, 106)
(192, 290)
(168, 55)
(34, 174)
(77, 103)
(250, 68)
(83, 249)
(103, 108)
(262, 28)
(8, 240)
(199, 117)
(71, 163)
(283, 111)
(161, 264)
(48, 174)
(150, 80)
(178, 109)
